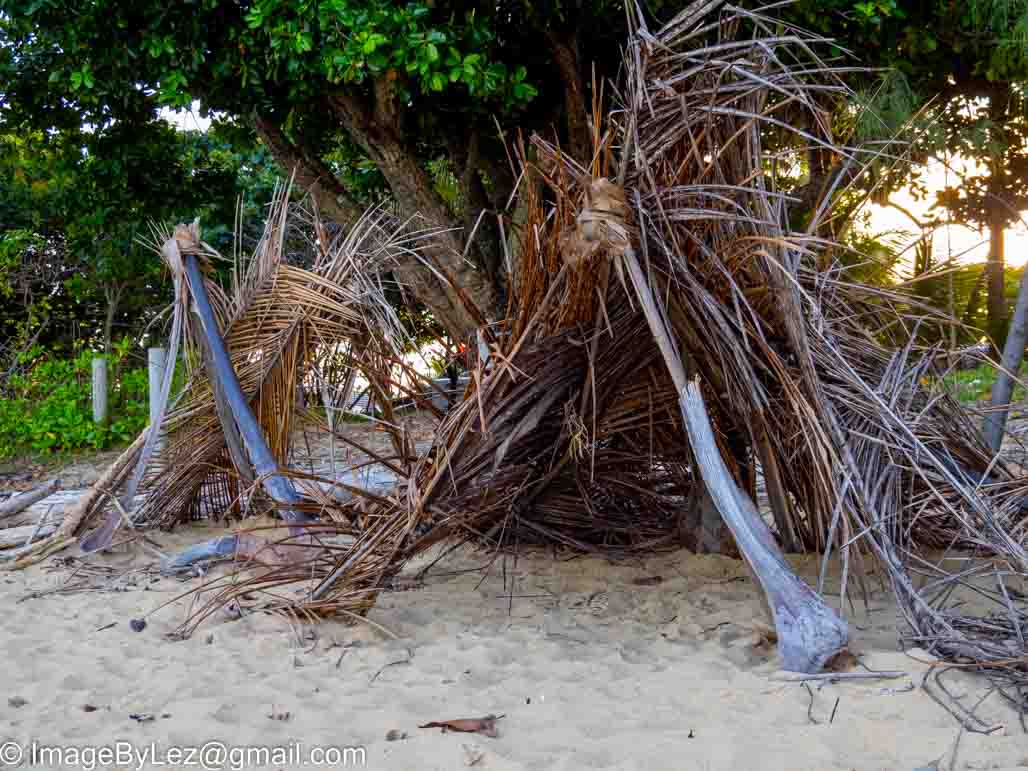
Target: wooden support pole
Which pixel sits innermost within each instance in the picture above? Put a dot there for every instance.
(100, 391)
(810, 633)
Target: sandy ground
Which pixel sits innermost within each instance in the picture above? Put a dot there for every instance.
(649, 664)
(654, 664)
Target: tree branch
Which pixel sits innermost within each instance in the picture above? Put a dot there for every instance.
(449, 283)
(310, 173)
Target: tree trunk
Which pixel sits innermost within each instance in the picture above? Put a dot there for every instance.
(998, 216)
(565, 54)
(112, 293)
(309, 173)
(1013, 353)
(448, 281)
(997, 303)
(972, 302)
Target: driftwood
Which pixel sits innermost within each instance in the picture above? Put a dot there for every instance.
(18, 536)
(19, 503)
(76, 515)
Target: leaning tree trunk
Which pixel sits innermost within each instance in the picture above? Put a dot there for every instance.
(1013, 353)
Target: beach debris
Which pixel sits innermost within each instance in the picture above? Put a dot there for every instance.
(394, 735)
(16, 701)
(810, 706)
(142, 717)
(832, 677)
(89, 708)
(472, 755)
(478, 725)
(648, 581)
(137, 624)
(281, 716)
(667, 332)
(18, 503)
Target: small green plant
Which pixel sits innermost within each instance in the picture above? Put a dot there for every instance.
(48, 408)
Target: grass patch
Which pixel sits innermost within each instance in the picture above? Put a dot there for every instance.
(975, 385)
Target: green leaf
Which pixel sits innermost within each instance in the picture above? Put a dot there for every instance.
(438, 82)
(433, 53)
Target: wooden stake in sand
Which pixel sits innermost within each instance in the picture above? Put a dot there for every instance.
(99, 391)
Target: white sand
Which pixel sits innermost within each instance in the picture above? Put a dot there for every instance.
(591, 670)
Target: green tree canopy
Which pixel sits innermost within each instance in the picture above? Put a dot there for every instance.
(77, 203)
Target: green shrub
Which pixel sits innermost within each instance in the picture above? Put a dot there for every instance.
(49, 407)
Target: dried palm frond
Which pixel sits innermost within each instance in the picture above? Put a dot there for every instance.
(573, 434)
(819, 379)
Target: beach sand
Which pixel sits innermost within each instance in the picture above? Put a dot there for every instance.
(657, 663)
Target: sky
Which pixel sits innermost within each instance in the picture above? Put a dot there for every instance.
(948, 240)
(186, 120)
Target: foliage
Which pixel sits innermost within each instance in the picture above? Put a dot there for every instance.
(975, 385)
(957, 67)
(49, 407)
(241, 55)
(76, 205)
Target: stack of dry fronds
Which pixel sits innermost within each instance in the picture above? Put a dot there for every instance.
(820, 381)
(573, 435)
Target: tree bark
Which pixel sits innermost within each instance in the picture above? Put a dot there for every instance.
(997, 303)
(449, 283)
(310, 173)
(565, 54)
(1013, 354)
(480, 214)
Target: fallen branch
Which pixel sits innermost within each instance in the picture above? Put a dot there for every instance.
(810, 633)
(17, 536)
(76, 515)
(19, 503)
(830, 676)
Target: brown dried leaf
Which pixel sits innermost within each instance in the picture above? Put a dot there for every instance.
(477, 725)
